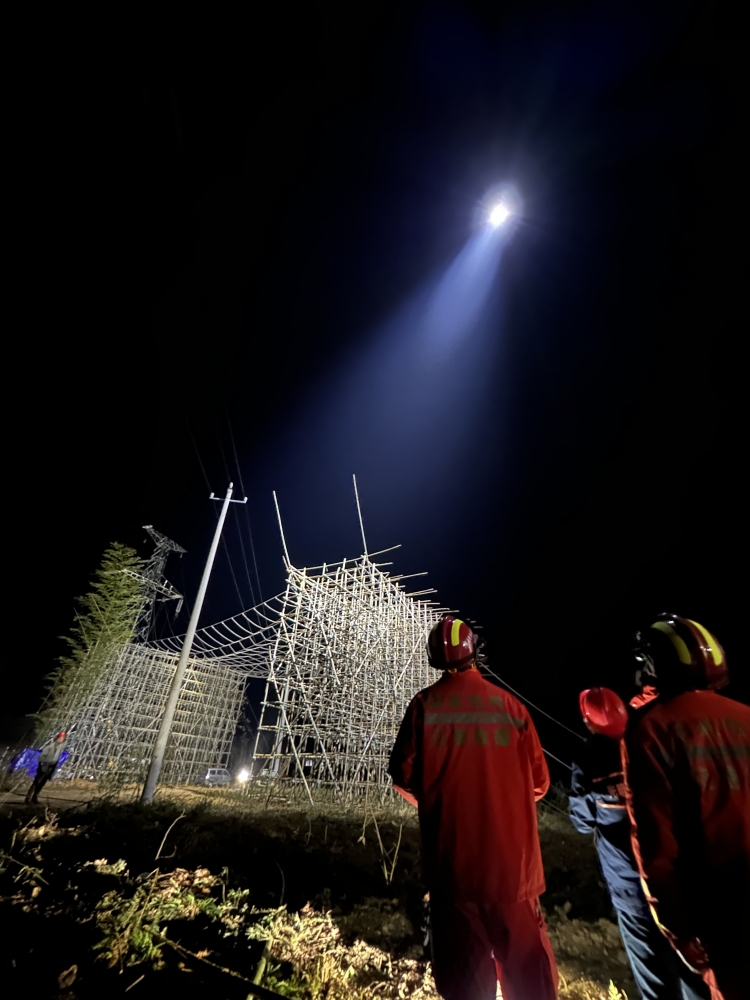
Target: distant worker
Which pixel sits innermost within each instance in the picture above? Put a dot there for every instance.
(597, 805)
(49, 758)
(687, 770)
(469, 757)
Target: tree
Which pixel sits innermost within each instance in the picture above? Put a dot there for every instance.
(105, 621)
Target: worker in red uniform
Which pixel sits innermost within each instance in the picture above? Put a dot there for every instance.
(687, 767)
(468, 756)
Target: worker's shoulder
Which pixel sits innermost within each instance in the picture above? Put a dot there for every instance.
(512, 700)
(444, 684)
(426, 694)
(497, 694)
(729, 707)
(468, 684)
(690, 709)
(697, 704)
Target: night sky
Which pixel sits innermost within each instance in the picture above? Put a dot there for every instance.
(220, 236)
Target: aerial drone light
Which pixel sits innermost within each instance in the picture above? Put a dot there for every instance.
(499, 215)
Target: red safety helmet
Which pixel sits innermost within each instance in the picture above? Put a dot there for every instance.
(451, 644)
(61, 736)
(604, 712)
(683, 654)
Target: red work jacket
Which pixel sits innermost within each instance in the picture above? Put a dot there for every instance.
(687, 767)
(469, 755)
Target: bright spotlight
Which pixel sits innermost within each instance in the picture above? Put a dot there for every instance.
(499, 215)
(243, 776)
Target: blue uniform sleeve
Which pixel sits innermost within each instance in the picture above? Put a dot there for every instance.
(581, 804)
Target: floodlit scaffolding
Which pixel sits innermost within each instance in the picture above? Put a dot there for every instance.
(342, 652)
(116, 723)
(349, 655)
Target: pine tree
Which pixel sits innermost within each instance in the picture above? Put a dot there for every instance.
(105, 621)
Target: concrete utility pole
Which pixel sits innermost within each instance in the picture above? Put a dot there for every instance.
(157, 758)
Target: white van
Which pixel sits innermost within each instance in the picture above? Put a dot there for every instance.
(216, 776)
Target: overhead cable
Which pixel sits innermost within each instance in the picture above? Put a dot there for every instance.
(550, 805)
(197, 453)
(253, 602)
(247, 510)
(557, 759)
(244, 556)
(531, 703)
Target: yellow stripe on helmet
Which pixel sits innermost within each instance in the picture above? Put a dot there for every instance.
(683, 653)
(711, 643)
(456, 632)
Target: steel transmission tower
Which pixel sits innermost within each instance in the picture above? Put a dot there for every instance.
(155, 586)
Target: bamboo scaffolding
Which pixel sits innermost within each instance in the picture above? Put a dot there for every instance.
(341, 651)
(349, 656)
(115, 725)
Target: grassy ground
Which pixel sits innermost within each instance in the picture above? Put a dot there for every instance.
(99, 897)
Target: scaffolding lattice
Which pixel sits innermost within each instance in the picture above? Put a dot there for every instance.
(115, 726)
(342, 652)
(348, 656)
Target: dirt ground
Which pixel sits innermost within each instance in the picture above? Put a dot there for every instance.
(328, 901)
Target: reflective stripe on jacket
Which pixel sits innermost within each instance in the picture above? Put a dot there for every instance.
(469, 755)
(687, 768)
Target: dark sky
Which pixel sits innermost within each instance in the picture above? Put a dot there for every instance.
(225, 225)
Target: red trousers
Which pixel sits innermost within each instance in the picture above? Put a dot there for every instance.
(476, 944)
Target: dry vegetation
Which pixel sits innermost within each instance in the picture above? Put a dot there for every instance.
(316, 904)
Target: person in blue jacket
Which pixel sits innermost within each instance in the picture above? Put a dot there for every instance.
(597, 805)
(49, 758)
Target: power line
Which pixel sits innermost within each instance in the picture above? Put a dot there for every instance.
(223, 456)
(244, 555)
(252, 550)
(549, 805)
(531, 703)
(557, 759)
(239, 529)
(231, 570)
(242, 487)
(186, 600)
(197, 453)
(247, 510)
(223, 539)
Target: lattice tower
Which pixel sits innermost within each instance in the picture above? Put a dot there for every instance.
(155, 586)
